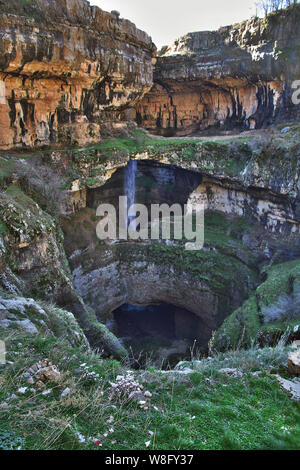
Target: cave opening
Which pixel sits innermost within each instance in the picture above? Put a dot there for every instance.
(163, 331)
(154, 183)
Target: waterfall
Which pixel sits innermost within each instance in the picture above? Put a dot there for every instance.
(129, 187)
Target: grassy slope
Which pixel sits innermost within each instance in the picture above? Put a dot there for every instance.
(244, 325)
(206, 410)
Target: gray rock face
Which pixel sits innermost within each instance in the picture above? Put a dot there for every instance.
(294, 359)
(30, 317)
(291, 387)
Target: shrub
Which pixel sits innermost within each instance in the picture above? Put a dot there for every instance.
(44, 184)
(287, 307)
(9, 441)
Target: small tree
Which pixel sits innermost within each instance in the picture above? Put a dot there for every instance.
(44, 184)
(266, 6)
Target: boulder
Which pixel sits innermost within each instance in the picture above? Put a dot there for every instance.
(294, 359)
(231, 372)
(292, 387)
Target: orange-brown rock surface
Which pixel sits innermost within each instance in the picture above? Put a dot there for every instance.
(67, 71)
(239, 77)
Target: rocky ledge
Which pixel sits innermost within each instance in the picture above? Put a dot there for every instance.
(239, 176)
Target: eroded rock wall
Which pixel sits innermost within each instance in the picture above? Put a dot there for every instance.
(239, 77)
(207, 283)
(275, 214)
(68, 71)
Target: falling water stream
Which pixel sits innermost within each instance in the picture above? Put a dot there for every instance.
(129, 189)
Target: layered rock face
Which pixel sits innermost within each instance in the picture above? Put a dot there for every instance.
(67, 72)
(155, 183)
(239, 77)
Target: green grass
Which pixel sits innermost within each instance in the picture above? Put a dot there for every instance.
(206, 410)
(225, 233)
(139, 141)
(27, 8)
(3, 229)
(222, 265)
(229, 155)
(216, 268)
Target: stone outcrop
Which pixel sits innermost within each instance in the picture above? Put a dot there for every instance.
(294, 359)
(68, 72)
(232, 178)
(239, 77)
(291, 387)
(30, 317)
(249, 324)
(208, 284)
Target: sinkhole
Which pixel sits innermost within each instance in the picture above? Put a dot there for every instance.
(164, 331)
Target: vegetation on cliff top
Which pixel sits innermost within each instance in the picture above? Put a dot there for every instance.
(27, 8)
(257, 158)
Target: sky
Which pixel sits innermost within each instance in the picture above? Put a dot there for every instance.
(167, 20)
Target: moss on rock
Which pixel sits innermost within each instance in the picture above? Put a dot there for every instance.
(245, 325)
(29, 316)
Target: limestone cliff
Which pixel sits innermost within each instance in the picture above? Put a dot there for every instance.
(108, 275)
(67, 71)
(33, 263)
(238, 77)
